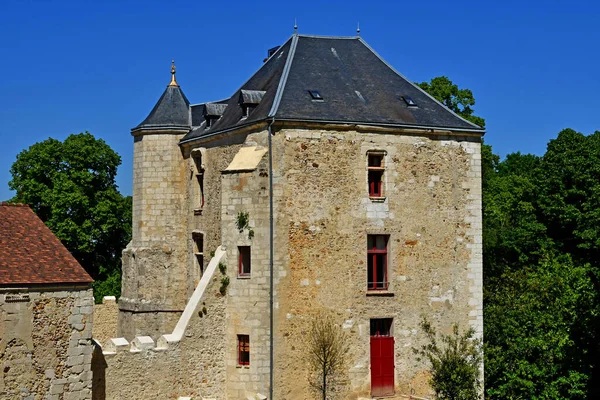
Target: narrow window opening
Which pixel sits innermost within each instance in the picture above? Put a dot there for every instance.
(198, 239)
(244, 261)
(377, 260)
(199, 190)
(375, 173)
(243, 349)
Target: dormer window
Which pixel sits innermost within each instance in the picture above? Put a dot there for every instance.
(249, 100)
(212, 113)
(247, 109)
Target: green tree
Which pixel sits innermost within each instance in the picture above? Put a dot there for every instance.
(71, 186)
(461, 101)
(455, 363)
(541, 292)
(532, 332)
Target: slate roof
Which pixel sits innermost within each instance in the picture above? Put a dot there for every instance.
(357, 86)
(31, 254)
(172, 111)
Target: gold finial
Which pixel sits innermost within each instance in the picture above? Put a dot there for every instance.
(173, 80)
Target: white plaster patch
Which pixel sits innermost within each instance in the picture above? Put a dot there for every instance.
(318, 282)
(304, 282)
(348, 324)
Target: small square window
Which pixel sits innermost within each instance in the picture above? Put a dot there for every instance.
(244, 261)
(243, 349)
(375, 173)
(377, 262)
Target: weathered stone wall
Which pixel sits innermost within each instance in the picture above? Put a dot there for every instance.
(432, 214)
(323, 214)
(247, 192)
(46, 344)
(195, 366)
(154, 284)
(106, 316)
(212, 159)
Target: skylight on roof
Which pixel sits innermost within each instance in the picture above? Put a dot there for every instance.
(409, 101)
(315, 95)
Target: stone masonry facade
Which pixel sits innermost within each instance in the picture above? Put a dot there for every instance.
(431, 212)
(46, 343)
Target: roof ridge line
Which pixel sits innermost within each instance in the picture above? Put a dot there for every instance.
(284, 77)
(327, 37)
(416, 86)
(8, 204)
(206, 102)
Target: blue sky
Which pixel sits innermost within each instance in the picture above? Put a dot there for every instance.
(72, 66)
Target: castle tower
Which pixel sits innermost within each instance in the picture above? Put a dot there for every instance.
(154, 262)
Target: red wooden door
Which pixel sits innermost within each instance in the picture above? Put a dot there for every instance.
(382, 365)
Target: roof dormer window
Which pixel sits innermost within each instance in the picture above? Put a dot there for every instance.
(249, 100)
(212, 112)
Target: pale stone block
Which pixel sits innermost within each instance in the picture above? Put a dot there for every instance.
(114, 345)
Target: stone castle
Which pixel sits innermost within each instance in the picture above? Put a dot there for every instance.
(328, 184)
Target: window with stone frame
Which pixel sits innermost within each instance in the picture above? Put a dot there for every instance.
(198, 238)
(244, 260)
(199, 181)
(375, 173)
(377, 262)
(243, 350)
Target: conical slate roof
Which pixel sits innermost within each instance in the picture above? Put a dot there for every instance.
(354, 84)
(172, 111)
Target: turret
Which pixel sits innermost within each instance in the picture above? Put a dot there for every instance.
(153, 282)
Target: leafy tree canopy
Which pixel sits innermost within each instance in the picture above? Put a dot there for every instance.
(541, 250)
(461, 101)
(71, 186)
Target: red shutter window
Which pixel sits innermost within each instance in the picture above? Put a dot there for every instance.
(375, 174)
(377, 259)
(243, 350)
(244, 260)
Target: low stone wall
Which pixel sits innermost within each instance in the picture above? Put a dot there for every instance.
(106, 316)
(46, 343)
(190, 361)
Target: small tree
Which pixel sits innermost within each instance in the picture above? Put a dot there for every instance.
(455, 363)
(327, 350)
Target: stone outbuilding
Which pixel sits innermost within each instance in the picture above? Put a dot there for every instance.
(328, 184)
(46, 308)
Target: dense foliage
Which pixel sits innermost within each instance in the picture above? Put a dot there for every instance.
(461, 101)
(71, 186)
(541, 249)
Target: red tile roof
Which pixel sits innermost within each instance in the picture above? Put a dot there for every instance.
(30, 253)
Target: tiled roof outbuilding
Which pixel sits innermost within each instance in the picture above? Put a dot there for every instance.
(31, 254)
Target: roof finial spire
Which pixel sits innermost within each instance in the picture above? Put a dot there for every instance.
(295, 26)
(358, 29)
(173, 80)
